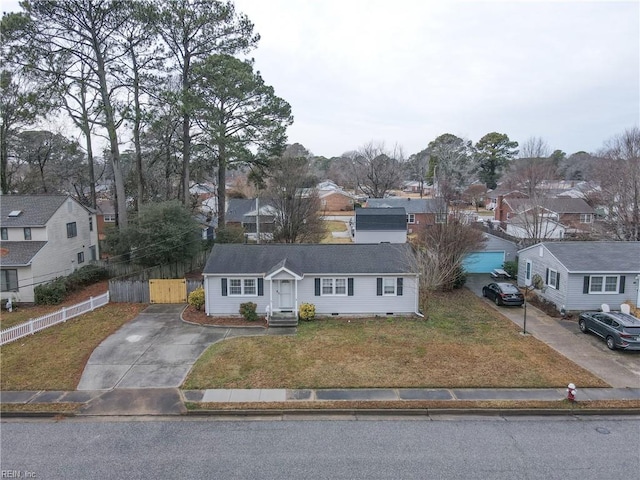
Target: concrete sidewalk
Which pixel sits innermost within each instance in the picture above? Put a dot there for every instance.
(171, 401)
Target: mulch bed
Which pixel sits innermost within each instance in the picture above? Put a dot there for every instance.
(192, 315)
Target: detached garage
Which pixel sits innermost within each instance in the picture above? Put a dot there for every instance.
(496, 251)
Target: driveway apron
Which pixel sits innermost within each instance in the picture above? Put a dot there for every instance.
(155, 350)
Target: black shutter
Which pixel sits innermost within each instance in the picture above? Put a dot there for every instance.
(317, 294)
(622, 278)
(224, 287)
(399, 287)
(585, 284)
(558, 280)
(260, 287)
(350, 287)
(379, 286)
(547, 277)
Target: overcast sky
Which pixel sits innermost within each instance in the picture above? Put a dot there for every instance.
(406, 71)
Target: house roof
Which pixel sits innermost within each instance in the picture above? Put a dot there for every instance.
(310, 259)
(602, 257)
(35, 210)
(238, 207)
(18, 254)
(387, 219)
(411, 205)
(557, 205)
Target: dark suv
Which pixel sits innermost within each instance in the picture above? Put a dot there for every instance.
(620, 330)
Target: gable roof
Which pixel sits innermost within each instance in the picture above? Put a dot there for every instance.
(387, 219)
(310, 259)
(601, 257)
(36, 210)
(557, 205)
(238, 207)
(18, 254)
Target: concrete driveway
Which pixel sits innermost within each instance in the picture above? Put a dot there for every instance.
(154, 350)
(618, 368)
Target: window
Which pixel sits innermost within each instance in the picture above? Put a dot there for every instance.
(9, 280)
(90, 223)
(553, 279)
(92, 252)
(27, 233)
(109, 218)
(527, 273)
(411, 218)
(604, 284)
(242, 287)
(80, 257)
(388, 286)
(334, 286)
(4, 233)
(586, 218)
(72, 230)
(441, 218)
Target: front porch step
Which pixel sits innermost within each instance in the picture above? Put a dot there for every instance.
(283, 320)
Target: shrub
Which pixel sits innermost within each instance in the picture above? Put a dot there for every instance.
(460, 278)
(51, 293)
(87, 275)
(307, 311)
(511, 267)
(248, 311)
(196, 298)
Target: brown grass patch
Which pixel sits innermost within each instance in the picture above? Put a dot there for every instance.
(63, 407)
(460, 344)
(54, 359)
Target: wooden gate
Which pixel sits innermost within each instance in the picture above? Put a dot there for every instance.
(168, 291)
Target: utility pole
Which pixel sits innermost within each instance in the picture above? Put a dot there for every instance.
(258, 218)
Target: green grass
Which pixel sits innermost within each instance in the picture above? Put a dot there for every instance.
(461, 343)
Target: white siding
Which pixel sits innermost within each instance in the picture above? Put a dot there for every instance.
(372, 236)
(364, 300)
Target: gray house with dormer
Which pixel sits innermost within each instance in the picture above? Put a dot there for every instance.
(339, 279)
(582, 275)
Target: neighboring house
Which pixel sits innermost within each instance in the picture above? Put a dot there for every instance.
(203, 191)
(208, 224)
(574, 213)
(243, 212)
(377, 225)
(493, 198)
(415, 187)
(339, 279)
(494, 252)
(105, 216)
(530, 226)
(336, 200)
(583, 275)
(43, 237)
(421, 212)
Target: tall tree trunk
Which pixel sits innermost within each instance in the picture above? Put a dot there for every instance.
(136, 130)
(4, 157)
(222, 181)
(186, 126)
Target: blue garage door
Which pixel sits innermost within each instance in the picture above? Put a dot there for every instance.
(483, 262)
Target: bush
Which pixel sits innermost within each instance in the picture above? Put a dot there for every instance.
(86, 275)
(248, 311)
(511, 267)
(51, 293)
(196, 298)
(307, 311)
(460, 278)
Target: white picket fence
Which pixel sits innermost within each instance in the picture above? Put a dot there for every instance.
(45, 321)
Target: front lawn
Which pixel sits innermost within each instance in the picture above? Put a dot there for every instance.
(54, 359)
(461, 342)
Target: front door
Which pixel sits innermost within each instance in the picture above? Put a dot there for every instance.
(285, 295)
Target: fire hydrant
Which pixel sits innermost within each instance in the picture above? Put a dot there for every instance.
(571, 392)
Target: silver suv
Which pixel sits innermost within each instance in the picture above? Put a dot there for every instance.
(620, 330)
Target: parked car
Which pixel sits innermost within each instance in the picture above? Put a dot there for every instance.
(503, 294)
(619, 330)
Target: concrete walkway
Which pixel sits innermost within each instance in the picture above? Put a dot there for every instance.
(620, 369)
(155, 350)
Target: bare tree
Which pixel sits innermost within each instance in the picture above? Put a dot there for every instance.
(535, 147)
(440, 251)
(296, 210)
(619, 176)
(377, 170)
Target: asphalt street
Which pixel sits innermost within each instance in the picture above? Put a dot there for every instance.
(439, 447)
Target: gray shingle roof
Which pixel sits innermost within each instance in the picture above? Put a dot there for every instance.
(386, 219)
(238, 207)
(597, 256)
(558, 205)
(339, 259)
(411, 205)
(36, 209)
(17, 254)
